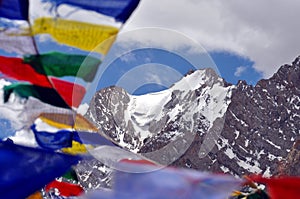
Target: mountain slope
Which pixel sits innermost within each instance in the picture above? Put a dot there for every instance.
(261, 125)
(189, 107)
(204, 123)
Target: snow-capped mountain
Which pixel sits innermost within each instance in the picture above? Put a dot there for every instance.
(204, 123)
(189, 107)
(261, 125)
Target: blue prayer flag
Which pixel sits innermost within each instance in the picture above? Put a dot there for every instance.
(53, 141)
(167, 183)
(91, 138)
(14, 9)
(118, 9)
(26, 170)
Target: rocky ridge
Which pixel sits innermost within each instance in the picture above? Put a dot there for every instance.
(204, 123)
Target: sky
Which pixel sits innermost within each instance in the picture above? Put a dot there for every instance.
(247, 39)
(163, 40)
(243, 40)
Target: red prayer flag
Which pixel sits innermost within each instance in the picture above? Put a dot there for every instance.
(70, 92)
(281, 187)
(142, 162)
(15, 68)
(65, 189)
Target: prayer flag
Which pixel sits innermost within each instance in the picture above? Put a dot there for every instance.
(118, 9)
(26, 170)
(61, 64)
(14, 9)
(85, 36)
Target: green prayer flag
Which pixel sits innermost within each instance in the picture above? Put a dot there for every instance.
(71, 175)
(60, 64)
(46, 95)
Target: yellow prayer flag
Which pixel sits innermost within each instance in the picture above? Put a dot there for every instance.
(76, 148)
(36, 195)
(236, 193)
(68, 121)
(82, 35)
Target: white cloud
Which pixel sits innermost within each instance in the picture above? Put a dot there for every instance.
(240, 70)
(44, 38)
(128, 57)
(267, 32)
(163, 40)
(150, 73)
(153, 78)
(167, 39)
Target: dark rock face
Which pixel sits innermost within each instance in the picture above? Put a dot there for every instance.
(107, 112)
(252, 132)
(290, 166)
(261, 125)
(92, 174)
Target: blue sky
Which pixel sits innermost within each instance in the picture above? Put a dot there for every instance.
(233, 68)
(152, 66)
(230, 66)
(140, 66)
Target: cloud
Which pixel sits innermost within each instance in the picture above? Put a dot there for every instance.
(44, 38)
(150, 37)
(128, 57)
(240, 70)
(150, 73)
(266, 32)
(153, 78)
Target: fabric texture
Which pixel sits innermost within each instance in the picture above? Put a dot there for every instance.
(60, 64)
(32, 169)
(118, 9)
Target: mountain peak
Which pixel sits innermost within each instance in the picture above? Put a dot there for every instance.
(287, 76)
(198, 78)
(131, 119)
(242, 128)
(296, 62)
